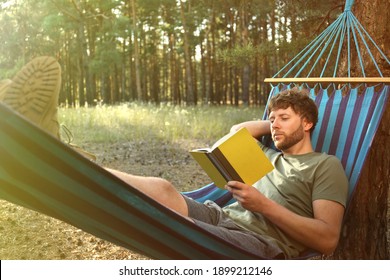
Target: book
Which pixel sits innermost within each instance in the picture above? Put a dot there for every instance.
(235, 157)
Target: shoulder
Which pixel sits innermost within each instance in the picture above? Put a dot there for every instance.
(329, 160)
(330, 179)
(327, 164)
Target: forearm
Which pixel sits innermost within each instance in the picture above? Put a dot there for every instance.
(256, 128)
(320, 232)
(313, 233)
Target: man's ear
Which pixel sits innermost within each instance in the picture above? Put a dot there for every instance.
(307, 125)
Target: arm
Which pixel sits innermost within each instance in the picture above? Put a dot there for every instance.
(256, 128)
(320, 232)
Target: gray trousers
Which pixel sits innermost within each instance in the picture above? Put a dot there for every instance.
(210, 217)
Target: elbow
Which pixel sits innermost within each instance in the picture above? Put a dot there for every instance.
(328, 250)
(329, 246)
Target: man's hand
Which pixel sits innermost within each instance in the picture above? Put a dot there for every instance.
(320, 232)
(248, 196)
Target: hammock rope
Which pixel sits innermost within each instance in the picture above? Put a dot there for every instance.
(345, 33)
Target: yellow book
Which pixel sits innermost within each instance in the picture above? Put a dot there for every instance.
(235, 157)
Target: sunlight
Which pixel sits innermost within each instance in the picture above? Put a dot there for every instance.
(7, 4)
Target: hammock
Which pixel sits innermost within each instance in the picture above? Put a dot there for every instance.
(346, 129)
(39, 172)
(343, 118)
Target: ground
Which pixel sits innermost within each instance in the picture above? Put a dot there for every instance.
(26, 234)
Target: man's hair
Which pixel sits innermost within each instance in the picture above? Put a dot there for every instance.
(300, 103)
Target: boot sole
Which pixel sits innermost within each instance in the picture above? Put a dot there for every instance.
(4, 84)
(34, 93)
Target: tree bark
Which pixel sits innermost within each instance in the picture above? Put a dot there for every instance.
(246, 71)
(136, 52)
(366, 230)
(190, 98)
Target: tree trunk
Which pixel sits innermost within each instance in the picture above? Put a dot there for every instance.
(210, 70)
(136, 52)
(244, 42)
(366, 231)
(190, 97)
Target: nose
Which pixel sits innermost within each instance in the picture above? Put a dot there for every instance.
(275, 124)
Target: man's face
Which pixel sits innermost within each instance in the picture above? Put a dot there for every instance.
(287, 128)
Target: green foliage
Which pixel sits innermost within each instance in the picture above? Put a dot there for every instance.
(238, 56)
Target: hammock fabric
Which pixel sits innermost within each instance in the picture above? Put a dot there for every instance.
(346, 129)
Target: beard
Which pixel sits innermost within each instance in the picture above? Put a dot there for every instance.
(290, 140)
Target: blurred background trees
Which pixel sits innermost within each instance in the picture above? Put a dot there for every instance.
(176, 51)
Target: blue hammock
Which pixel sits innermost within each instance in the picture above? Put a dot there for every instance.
(346, 129)
(39, 172)
(343, 118)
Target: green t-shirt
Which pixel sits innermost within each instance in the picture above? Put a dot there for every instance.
(295, 183)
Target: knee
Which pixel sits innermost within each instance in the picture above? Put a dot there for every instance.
(164, 185)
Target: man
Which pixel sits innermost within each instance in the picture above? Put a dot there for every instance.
(298, 205)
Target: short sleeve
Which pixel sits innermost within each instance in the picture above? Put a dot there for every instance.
(331, 183)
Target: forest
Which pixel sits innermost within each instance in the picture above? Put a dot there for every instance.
(181, 52)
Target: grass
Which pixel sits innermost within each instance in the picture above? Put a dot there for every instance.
(164, 123)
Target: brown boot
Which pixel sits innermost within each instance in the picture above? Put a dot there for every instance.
(34, 93)
(3, 86)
